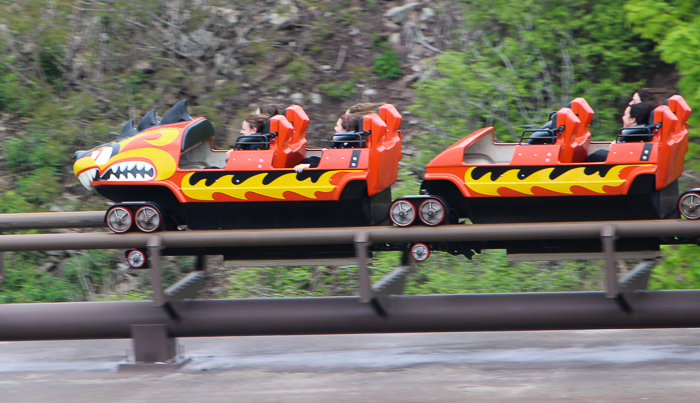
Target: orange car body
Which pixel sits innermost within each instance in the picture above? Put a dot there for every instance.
(488, 181)
(175, 166)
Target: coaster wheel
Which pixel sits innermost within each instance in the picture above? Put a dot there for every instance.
(432, 212)
(689, 205)
(137, 259)
(420, 252)
(148, 219)
(119, 219)
(402, 213)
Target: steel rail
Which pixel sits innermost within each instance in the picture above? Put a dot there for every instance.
(324, 236)
(343, 315)
(76, 219)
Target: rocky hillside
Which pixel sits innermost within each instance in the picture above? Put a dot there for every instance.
(230, 58)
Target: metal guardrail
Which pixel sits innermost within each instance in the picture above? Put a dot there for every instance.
(326, 236)
(405, 313)
(153, 325)
(77, 219)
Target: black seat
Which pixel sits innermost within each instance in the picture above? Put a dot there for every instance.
(348, 140)
(547, 134)
(637, 134)
(253, 142)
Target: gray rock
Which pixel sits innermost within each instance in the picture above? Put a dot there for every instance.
(426, 14)
(399, 14)
(394, 39)
(189, 48)
(316, 99)
(145, 66)
(227, 14)
(369, 92)
(202, 37)
(391, 26)
(297, 97)
(286, 14)
(219, 61)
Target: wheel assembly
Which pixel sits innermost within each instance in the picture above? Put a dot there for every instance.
(689, 205)
(420, 252)
(137, 259)
(432, 212)
(148, 219)
(119, 219)
(402, 213)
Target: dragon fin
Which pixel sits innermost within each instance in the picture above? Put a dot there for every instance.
(127, 131)
(177, 113)
(147, 121)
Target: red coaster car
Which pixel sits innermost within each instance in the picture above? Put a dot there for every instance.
(549, 174)
(165, 174)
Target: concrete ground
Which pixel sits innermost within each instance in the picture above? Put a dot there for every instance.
(563, 366)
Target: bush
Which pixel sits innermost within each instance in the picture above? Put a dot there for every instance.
(387, 65)
(339, 91)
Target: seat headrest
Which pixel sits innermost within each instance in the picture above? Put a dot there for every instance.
(635, 130)
(650, 121)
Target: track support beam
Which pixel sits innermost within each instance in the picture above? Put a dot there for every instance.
(607, 237)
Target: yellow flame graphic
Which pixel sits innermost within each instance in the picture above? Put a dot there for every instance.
(275, 189)
(162, 161)
(561, 184)
(167, 136)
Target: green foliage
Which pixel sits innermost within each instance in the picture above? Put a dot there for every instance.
(136, 79)
(298, 70)
(49, 60)
(680, 269)
(255, 282)
(12, 202)
(517, 67)
(387, 65)
(491, 272)
(24, 284)
(339, 90)
(91, 270)
(40, 186)
(16, 95)
(32, 151)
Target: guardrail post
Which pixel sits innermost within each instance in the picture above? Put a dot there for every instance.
(361, 246)
(2, 267)
(154, 244)
(154, 348)
(607, 237)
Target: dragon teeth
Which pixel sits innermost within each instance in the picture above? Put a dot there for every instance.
(131, 171)
(87, 177)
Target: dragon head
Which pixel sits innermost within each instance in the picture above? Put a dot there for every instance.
(144, 153)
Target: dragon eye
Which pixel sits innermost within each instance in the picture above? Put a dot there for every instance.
(104, 154)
